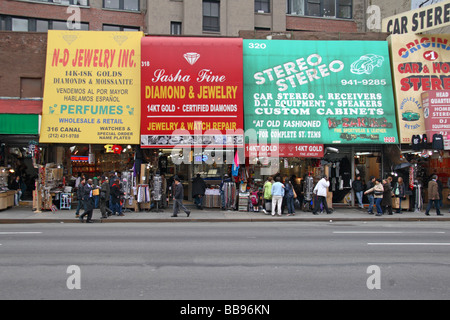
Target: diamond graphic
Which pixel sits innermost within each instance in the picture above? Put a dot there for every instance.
(120, 39)
(69, 38)
(191, 57)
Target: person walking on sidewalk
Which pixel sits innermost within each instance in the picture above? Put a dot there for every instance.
(178, 199)
(321, 190)
(370, 195)
(104, 197)
(88, 202)
(198, 191)
(277, 196)
(386, 202)
(433, 196)
(377, 191)
(116, 194)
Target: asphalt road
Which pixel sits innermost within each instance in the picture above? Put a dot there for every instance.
(251, 261)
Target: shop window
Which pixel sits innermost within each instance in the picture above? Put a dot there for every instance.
(211, 15)
(30, 88)
(262, 6)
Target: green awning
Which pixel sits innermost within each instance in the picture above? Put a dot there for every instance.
(19, 124)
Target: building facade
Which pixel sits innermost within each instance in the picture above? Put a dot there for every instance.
(227, 18)
(94, 15)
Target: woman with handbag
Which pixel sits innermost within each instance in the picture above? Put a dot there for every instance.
(378, 191)
(289, 194)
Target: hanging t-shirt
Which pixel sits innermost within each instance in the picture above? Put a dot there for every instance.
(424, 141)
(438, 142)
(416, 142)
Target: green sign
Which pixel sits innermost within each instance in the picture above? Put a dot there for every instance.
(323, 92)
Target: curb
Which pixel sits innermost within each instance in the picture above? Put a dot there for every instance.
(185, 220)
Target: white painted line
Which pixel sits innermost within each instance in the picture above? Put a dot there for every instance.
(387, 232)
(3, 233)
(408, 244)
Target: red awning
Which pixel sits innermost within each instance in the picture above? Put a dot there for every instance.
(15, 106)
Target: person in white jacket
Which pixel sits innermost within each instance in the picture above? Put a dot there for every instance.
(321, 190)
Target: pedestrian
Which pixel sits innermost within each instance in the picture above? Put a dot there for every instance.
(88, 202)
(116, 194)
(277, 196)
(289, 196)
(198, 191)
(377, 191)
(358, 188)
(433, 196)
(96, 185)
(386, 202)
(80, 194)
(267, 189)
(399, 192)
(370, 195)
(104, 197)
(16, 185)
(321, 190)
(178, 199)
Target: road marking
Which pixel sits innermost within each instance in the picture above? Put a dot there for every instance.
(3, 233)
(408, 244)
(387, 232)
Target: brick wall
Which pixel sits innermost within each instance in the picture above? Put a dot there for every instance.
(96, 17)
(22, 54)
(320, 24)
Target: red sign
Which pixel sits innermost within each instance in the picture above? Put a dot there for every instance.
(436, 104)
(192, 92)
(285, 150)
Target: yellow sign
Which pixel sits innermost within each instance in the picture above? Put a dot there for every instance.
(419, 63)
(92, 91)
(419, 20)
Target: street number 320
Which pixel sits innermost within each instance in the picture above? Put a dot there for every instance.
(257, 45)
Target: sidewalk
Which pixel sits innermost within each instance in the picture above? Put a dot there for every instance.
(23, 214)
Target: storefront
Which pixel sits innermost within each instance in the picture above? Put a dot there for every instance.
(420, 69)
(192, 111)
(90, 113)
(321, 93)
(19, 129)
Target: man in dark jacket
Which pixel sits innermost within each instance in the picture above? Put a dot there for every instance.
(178, 199)
(358, 187)
(198, 191)
(80, 194)
(104, 197)
(88, 202)
(116, 193)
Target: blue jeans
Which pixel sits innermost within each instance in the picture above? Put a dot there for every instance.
(359, 196)
(117, 208)
(436, 205)
(290, 204)
(371, 202)
(378, 204)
